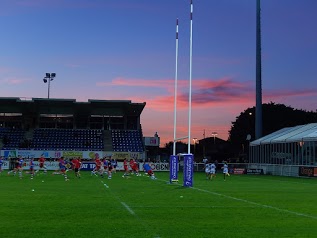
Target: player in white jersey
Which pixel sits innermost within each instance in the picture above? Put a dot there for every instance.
(1, 163)
(207, 170)
(225, 170)
(212, 171)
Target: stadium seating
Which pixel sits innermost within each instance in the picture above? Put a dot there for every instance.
(127, 140)
(11, 138)
(67, 139)
(72, 139)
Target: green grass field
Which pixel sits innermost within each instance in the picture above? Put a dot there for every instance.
(242, 206)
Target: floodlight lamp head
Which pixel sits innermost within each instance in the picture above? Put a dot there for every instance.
(48, 75)
(53, 75)
(44, 80)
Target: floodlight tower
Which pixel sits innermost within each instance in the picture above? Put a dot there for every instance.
(258, 107)
(195, 142)
(214, 134)
(47, 79)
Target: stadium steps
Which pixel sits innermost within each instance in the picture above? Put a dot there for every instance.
(107, 140)
(29, 134)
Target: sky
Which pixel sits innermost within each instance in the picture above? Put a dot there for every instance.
(126, 50)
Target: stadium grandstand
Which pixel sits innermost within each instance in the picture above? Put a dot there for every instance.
(49, 125)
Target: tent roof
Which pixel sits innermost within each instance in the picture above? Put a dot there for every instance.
(306, 132)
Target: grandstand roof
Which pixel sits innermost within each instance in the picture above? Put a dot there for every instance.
(70, 106)
(299, 133)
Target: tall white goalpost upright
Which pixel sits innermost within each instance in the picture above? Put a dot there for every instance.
(173, 158)
(188, 170)
(175, 90)
(188, 158)
(190, 75)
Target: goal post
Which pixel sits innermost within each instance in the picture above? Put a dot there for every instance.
(188, 170)
(173, 168)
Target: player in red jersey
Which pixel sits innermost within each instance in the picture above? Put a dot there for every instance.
(14, 170)
(80, 163)
(126, 168)
(97, 168)
(18, 166)
(134, 167)
(62, 167)
(41, 161)
(76, 166)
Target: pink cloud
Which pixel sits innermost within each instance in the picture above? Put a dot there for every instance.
(290, 93)
(205, 92)
(13, 81)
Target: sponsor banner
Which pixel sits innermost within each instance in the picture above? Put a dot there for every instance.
(173, 168)
(254, 171)
(306, 171)
(71, 154)
(31, 153)
(5, 164)
(49, 165)
(151, 141)
(8, 153)
(315, 172)
(135, 155)
(120, 156)
(238, 171)
(88, 166)
(91, 154)
(154, 166)
(36, 154)
(188, 170)
(87, 155)
(159, 166)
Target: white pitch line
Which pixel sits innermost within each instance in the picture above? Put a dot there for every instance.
(257, 204)
(250, 202)
(146, 228)
(128, 208)
(194, 206)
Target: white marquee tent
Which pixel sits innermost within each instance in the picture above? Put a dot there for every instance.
(290, 145)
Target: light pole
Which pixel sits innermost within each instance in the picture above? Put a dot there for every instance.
(195, 140)
(48, 78)
(204, 148)
(214, 134)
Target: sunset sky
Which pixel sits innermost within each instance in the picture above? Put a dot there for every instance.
(125, 50)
